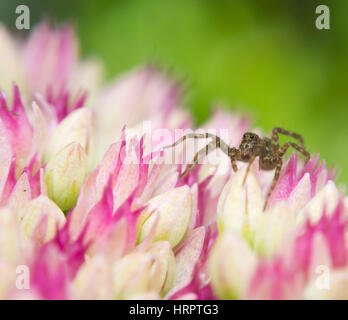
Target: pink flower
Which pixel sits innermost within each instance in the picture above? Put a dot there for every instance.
(302, 233)
(93, 207)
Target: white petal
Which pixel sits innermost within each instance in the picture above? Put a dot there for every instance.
(230, 265)
(240, 207)
(327, 197)
(174, 208)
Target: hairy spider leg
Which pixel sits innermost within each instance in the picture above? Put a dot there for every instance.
(232, 153)
(276, 131)
(286, 146)
(248, 168)
(204, 151)
(219, 142)
(274, 182)
(216, 143)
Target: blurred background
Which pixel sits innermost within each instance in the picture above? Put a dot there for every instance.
(264, 57)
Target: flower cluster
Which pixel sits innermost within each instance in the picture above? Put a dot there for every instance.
(92, 206)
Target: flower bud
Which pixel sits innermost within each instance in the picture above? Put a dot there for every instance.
(164, 266)
(65, 174)
(132, 275)
(40, 219)
(240, 206)
(273, 229)
(143, 272)
(93, 280)
(174, 210)
(50, 57)
(230, 266)
(76, 127)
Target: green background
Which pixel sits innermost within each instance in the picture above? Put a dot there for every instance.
(263, 57)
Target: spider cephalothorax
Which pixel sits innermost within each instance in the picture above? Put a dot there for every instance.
(249, 146)
(267, 149)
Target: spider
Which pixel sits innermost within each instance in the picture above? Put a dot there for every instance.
(267, 149)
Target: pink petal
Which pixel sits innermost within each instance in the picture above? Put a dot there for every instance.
(50, 57)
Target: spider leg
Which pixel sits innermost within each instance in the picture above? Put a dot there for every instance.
(286, 146)
(204, 151)
(232, 153)
(274, 182)
(276, 131)
(220, 143)
(248, 168)
(190, 135)
(216, 143)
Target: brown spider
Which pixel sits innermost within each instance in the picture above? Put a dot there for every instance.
(267, 149)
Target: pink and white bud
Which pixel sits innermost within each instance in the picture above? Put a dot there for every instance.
(143, 94)
(240, 206)
(132, 275)
(40, 219)
(174, 209)
(50, 58)
(230, 265)
(164, 266)
(273, 229)
(93, 280)
(76, 127)
(65, 174)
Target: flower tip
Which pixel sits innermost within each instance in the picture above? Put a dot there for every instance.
(230, 266)
(174, 208)
(65, 174)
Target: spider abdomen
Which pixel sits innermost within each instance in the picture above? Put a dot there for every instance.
(268, 163)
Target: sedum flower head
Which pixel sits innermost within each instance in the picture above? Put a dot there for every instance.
(93, 207)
